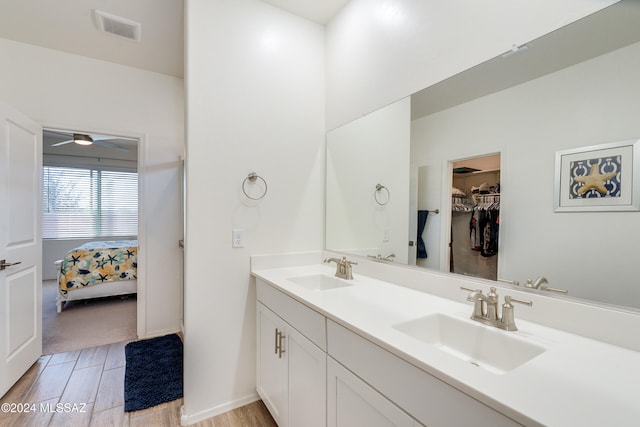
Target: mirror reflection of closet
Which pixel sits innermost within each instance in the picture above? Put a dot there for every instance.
(475, 217)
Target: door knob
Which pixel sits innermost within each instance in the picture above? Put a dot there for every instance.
(4, 264)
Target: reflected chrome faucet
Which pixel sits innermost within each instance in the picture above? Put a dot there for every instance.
(485, 309)
(539, 283)
(343, 267)
(536, 284)
(389, 257)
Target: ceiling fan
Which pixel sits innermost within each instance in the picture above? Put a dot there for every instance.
(88, 139)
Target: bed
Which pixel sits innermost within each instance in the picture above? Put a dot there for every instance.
(98, 269)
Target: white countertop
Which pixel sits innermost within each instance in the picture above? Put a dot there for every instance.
(576, 381)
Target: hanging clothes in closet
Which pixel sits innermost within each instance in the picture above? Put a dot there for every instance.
(485, 223)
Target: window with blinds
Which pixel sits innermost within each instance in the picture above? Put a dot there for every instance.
(80, 203)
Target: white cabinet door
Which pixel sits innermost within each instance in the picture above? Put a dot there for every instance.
(353, 403)
(20, 245)
(272, 364)
(291, 373)
(307, 381)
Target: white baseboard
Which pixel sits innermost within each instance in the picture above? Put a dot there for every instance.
(160, 333)
(189, 419)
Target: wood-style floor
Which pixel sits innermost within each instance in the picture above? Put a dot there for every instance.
(91, 384)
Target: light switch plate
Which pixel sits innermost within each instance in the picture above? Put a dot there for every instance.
(237, 238)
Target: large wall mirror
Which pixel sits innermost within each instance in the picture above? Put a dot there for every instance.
(576, 87)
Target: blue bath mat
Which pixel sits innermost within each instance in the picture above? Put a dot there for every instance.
(153, 372)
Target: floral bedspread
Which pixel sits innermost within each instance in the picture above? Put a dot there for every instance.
(98, 262)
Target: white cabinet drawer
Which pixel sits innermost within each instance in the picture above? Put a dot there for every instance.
(308, 322)
(426, 398)
(351, 402)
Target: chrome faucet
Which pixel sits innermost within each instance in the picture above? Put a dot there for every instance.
(477, 298)
(485, 308)
(491, 301)
(343, 267)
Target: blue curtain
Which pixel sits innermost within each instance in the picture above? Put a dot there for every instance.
(422, 221)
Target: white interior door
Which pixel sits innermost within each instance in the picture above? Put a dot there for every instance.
(20, 245)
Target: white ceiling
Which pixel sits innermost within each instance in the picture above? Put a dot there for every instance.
(70, 26)
(320, 11)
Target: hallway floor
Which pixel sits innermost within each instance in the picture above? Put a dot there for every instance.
(89, 384)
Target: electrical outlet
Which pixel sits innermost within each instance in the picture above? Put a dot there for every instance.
(237, 238)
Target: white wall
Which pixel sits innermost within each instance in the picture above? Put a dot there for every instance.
(371, 150)
(380, 51)
(46, 85)
(255, 102)
(592, 254)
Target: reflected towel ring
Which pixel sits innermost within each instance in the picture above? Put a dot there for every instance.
(380, 187)
(252, 177)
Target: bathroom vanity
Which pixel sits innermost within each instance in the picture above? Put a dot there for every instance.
(396, 346)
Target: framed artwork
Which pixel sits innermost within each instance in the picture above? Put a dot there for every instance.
(603, 177)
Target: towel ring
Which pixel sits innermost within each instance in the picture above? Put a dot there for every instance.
(252, 177)
(380, 187)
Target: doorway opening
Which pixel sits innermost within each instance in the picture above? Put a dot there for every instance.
(475, 217)
(90, 230)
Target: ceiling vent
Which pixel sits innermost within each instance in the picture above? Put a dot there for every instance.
(119, 26)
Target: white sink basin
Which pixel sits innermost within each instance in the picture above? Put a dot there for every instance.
(320, 282)
(491, 349)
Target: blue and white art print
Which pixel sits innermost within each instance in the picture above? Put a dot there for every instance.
(598, 177)
(603, 177)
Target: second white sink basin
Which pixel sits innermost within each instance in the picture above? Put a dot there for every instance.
(491, 349)
(319, 282)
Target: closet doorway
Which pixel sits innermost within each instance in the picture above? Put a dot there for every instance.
(475, 217)
(90, 220)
